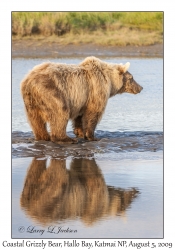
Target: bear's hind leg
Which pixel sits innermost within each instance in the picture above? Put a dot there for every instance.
(78, 127)
(58, 124)
(38, 124)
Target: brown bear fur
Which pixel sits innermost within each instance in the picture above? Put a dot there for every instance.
(53, 93)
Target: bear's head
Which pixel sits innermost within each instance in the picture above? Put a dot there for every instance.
(129, 84)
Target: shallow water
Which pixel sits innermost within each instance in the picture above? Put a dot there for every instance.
(24, 144)
(112, 188)
(94, 198)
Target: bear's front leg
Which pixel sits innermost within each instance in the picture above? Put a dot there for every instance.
(78, 127)
(89, 121)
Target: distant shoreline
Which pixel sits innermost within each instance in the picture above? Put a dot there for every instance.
(35, 49)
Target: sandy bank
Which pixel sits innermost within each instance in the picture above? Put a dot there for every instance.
(36, 49)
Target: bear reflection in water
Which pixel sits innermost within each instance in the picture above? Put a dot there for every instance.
(55, 193)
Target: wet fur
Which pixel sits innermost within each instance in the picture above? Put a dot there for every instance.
(53, 93)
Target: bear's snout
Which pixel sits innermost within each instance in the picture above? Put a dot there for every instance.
(137, 88)
(140, 88)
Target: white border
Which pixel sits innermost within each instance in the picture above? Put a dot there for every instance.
(5, 94)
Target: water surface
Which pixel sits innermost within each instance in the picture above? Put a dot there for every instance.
(93, 198)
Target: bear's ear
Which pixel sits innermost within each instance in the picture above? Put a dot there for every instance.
(126, 67)
(123, 68)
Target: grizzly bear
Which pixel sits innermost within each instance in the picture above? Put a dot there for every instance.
(53, 93)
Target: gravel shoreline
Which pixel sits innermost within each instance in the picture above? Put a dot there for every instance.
(35, 49)
(24, 144)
